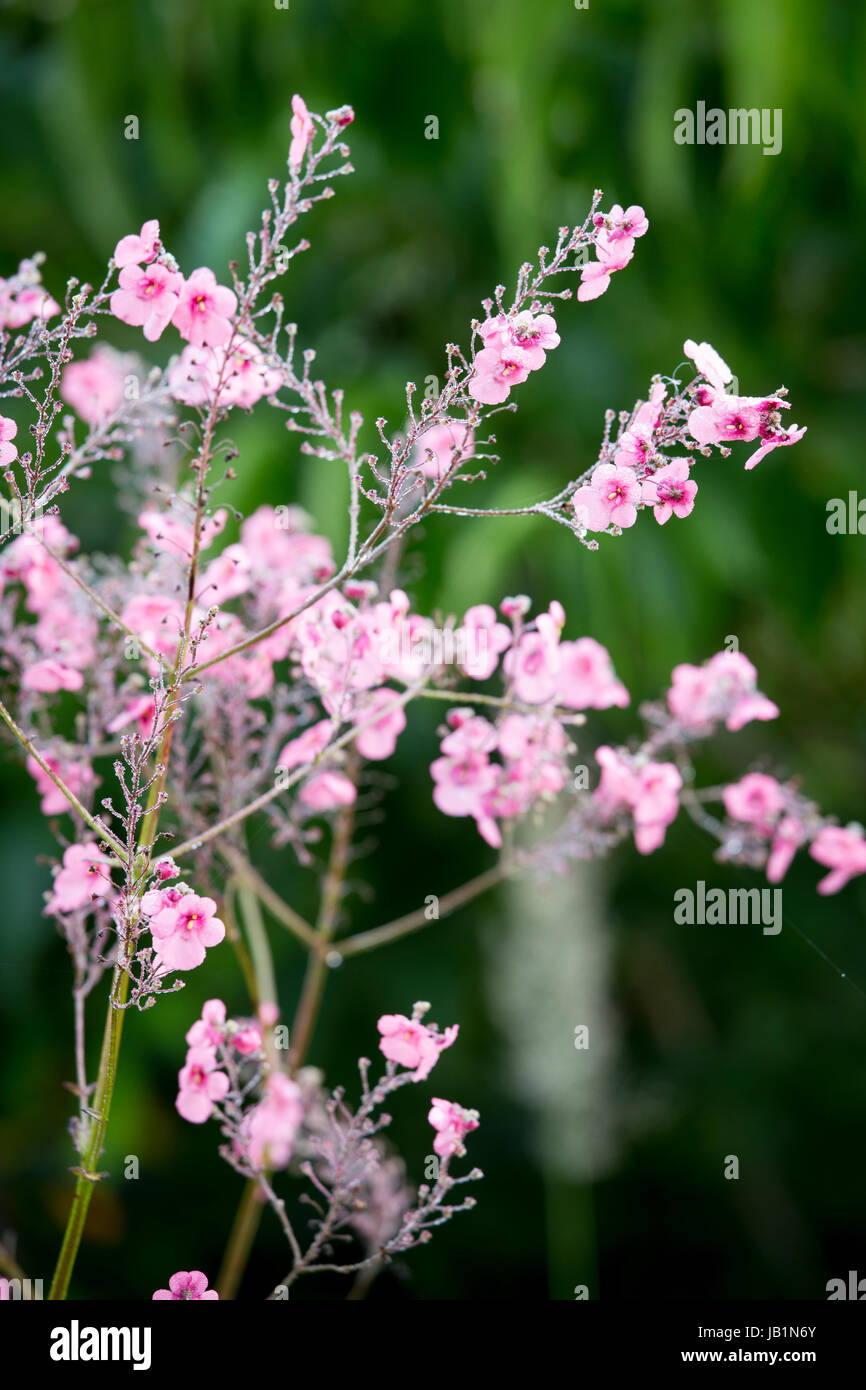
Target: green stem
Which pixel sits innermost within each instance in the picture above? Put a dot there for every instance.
(87, 1174)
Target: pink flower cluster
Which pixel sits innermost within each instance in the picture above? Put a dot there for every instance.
(201, 1082)
(723, 419)
(23, 298)
(152, 293)
(59, 646)
(775, 814)
(616, 233)
(542, 671)
(647, 791)
(636, 474)
(724, 690)
(514, 346)
(452, 1123)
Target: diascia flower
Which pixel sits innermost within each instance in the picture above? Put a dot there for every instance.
(186, 1285)
(452, 1123)
(204, 310)
(412, 1044)
(183, 927)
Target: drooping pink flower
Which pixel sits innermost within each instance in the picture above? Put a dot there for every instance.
(204, 310)
(268, 1131)
(792, 435)
(586, 677)
(496, 371)
(379, 739)
(452, 1123)
(78, 777)
(302, 129)
(655, 804)
(200, 1085)
(711, 366)
(208, 1030)
(182, 931)
(147, 298)
(8, 431)
(670, 490)
(450, 442)
(842, 849)
(50, 676)
(609, 498)
(327, 791)
(409, 1043)
(613, 255)
(756, 799)
(186, 1284)
(788, 835)
(484, 639)
(308, 745)
(133, 249)
(83, 877)
(93, 387)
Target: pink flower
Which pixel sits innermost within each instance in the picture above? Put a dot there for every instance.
(200, 1085)
(756, 799)
(302, 129)
(612, 256)
(132, 249)
(83, 877)
(787, 838)
(462, 782)
(307, 746)
(484, 640)
(183, 929)
(727, 420)
(496, 372)
(186, 1285)
(608, 499)
(452, 442)
(533, 666)
(792, 435)
(533, 334)
(327, 791)
(379, 739)
(147, 298)
(724, 688)
(141, 711)
(94, 387)
(49, 676)
(204, 310)
(711, 366)
(670, 490)
(586, 677)
(409, 1043)
(269, 1130)
(79, 778)
(208, 1030)
(8, 431)
(843, 851)
(655, 804)
(618, 224)
(452, 1123)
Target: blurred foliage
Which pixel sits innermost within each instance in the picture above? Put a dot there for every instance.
(729, 1042)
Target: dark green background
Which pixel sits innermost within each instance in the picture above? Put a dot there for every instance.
(727, 1042)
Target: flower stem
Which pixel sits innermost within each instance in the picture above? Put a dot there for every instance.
(87, 1174)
